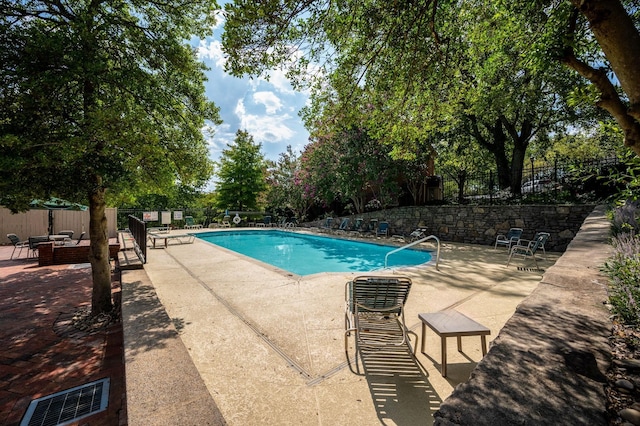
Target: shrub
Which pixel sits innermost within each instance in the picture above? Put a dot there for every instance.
(624, 271)
(625, 218)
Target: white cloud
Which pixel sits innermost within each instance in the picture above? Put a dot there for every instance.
(264, 128)
(271, 102)
(212, 50)
(279, 81)
(220, 19)
(218, 138)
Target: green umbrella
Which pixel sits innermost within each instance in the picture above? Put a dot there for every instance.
(54, 203)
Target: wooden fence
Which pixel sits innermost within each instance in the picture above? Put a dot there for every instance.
(36, 222)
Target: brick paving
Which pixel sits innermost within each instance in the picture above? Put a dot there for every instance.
(41, 352)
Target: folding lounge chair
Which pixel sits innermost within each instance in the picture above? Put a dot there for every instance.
(225, 221)
(189, 223)
(417, 234)
(357, 225)
(344, 225)
(17, 244)
(375, 312)
(327, 225)
(529, 249)
(510, 238)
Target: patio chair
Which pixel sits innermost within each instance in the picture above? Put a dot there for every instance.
(226, 221)
(510, 238)
(383, 229)
(69, 235)
(17, 244)
(371, 227)
(327, 225)
(189, 222)
(344, 225)
(34, 242)
(374, 312)
(545, 238)
(416, 234)
(71, 243)
(357, 225)
(529, 249)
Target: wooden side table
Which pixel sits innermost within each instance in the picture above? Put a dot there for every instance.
(452, 324)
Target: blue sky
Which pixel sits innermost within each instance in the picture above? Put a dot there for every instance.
(268, 110)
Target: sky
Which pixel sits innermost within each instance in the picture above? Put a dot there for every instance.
(267, 110)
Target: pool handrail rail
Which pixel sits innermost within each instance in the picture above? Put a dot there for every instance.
(430, 237)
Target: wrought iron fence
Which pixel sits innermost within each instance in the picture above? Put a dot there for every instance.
(557, 179)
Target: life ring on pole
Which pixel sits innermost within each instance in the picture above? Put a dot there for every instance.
(236, 219)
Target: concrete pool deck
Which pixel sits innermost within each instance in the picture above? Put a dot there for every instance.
(269, 348)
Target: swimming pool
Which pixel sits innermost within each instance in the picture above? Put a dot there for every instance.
(304, 254)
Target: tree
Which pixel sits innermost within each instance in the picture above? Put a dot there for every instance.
(389, 56)
(98, 96)
(241, 174)
(286, 190)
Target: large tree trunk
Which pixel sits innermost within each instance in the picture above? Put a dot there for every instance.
(496, 147)
(520, 143)
(620, 41)
(99, 251)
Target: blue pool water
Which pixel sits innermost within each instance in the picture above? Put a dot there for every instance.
(304, 254)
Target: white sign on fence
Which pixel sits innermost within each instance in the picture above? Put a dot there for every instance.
(150, 216)
(166, 218)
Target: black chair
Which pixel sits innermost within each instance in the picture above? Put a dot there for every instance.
(34, 242)
(15, 240)
(80, 238)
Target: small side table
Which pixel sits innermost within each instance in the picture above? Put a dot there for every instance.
(452, 324)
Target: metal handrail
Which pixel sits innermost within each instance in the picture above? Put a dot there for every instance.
(413, 244)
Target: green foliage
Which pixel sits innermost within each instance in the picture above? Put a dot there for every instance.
(347, 165)
(241, 174)
(480, 69)
(100, 96)
(120, 104)
(623, 269)
(286, 190)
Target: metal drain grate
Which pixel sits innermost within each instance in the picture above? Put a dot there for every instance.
(68, 406)
(522, 268)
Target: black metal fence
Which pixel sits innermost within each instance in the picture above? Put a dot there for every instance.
(550, 180)
(138, 229)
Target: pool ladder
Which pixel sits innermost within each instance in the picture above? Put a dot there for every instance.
(430, 237)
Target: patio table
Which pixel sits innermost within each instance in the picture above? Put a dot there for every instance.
(452, 323)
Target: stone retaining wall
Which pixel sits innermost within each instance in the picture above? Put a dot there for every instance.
(481, 224)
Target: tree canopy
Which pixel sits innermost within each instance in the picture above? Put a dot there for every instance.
(97, 96)
(406, 71)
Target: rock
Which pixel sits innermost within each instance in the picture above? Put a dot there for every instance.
(630, 415)
(624, 385)
(629, 364)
